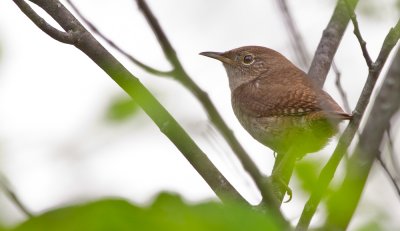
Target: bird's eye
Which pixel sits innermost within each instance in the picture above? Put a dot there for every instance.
(248, 59)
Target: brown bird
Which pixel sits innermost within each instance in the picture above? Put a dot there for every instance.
(279, 105)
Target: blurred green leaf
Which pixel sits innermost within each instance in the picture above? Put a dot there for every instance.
(376, 222)
(307, 171)
(121, 109)
(168, 212)
(371, 226)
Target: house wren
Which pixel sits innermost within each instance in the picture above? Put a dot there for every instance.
(277, 103)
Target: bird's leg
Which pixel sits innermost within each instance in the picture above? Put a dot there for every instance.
(281, 174)
(279, 182)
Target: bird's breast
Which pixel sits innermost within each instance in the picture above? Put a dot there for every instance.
(281, 132)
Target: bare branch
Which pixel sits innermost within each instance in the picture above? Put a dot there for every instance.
(95, 30)
(385, 106)
(61, 36)
(295, 36)
(357, 32)
(329, 43)
(389, 175)
(13, 196)
(163, 40)
(180, 75)
(339, 86)
(131, 85)
(329, 170)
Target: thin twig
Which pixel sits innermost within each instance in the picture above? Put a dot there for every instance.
(95, 30)
(389, 175)
(329, 170)
(329, 43)
(357, 32)
(339, 86)
(13, 196)
(181, 75)
(295, 36)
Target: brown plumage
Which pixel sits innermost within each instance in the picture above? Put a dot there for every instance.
(278, 104)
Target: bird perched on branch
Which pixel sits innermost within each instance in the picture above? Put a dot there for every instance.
(279, 105)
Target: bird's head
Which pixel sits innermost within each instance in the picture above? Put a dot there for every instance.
(246, 63)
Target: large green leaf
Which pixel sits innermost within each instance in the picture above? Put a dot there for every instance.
(168, 212)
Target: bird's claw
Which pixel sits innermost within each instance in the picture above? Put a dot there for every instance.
(289, 191)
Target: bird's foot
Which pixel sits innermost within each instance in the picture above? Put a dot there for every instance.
(282, 184)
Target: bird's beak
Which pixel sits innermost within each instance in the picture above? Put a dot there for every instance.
(218, 56)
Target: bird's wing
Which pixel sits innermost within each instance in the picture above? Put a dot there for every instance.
(295, 97)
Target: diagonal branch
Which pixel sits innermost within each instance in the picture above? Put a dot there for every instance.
(329, 42)
(387, 103)
(13, 196)
(131, 85)
(357, 32)
(389, 175)
(338, 83)
(329, 170)
(295, 36)
(181, 76)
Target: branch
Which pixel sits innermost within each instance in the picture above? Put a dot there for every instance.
(386, 104)
(95, 30)
(61, 36)
(339, 86)
(13, 196)
(389, 175)
(357, 32)
(329, 43)
(295, 35)
(329, 170)
(131, 85)
(181, 76)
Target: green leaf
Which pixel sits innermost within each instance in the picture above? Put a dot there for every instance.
(371, 226)
(307, 171)
(168, 212)
(121, 109)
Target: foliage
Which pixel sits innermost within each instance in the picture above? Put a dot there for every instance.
(168, 212)
(121, 109)
(307, 171)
